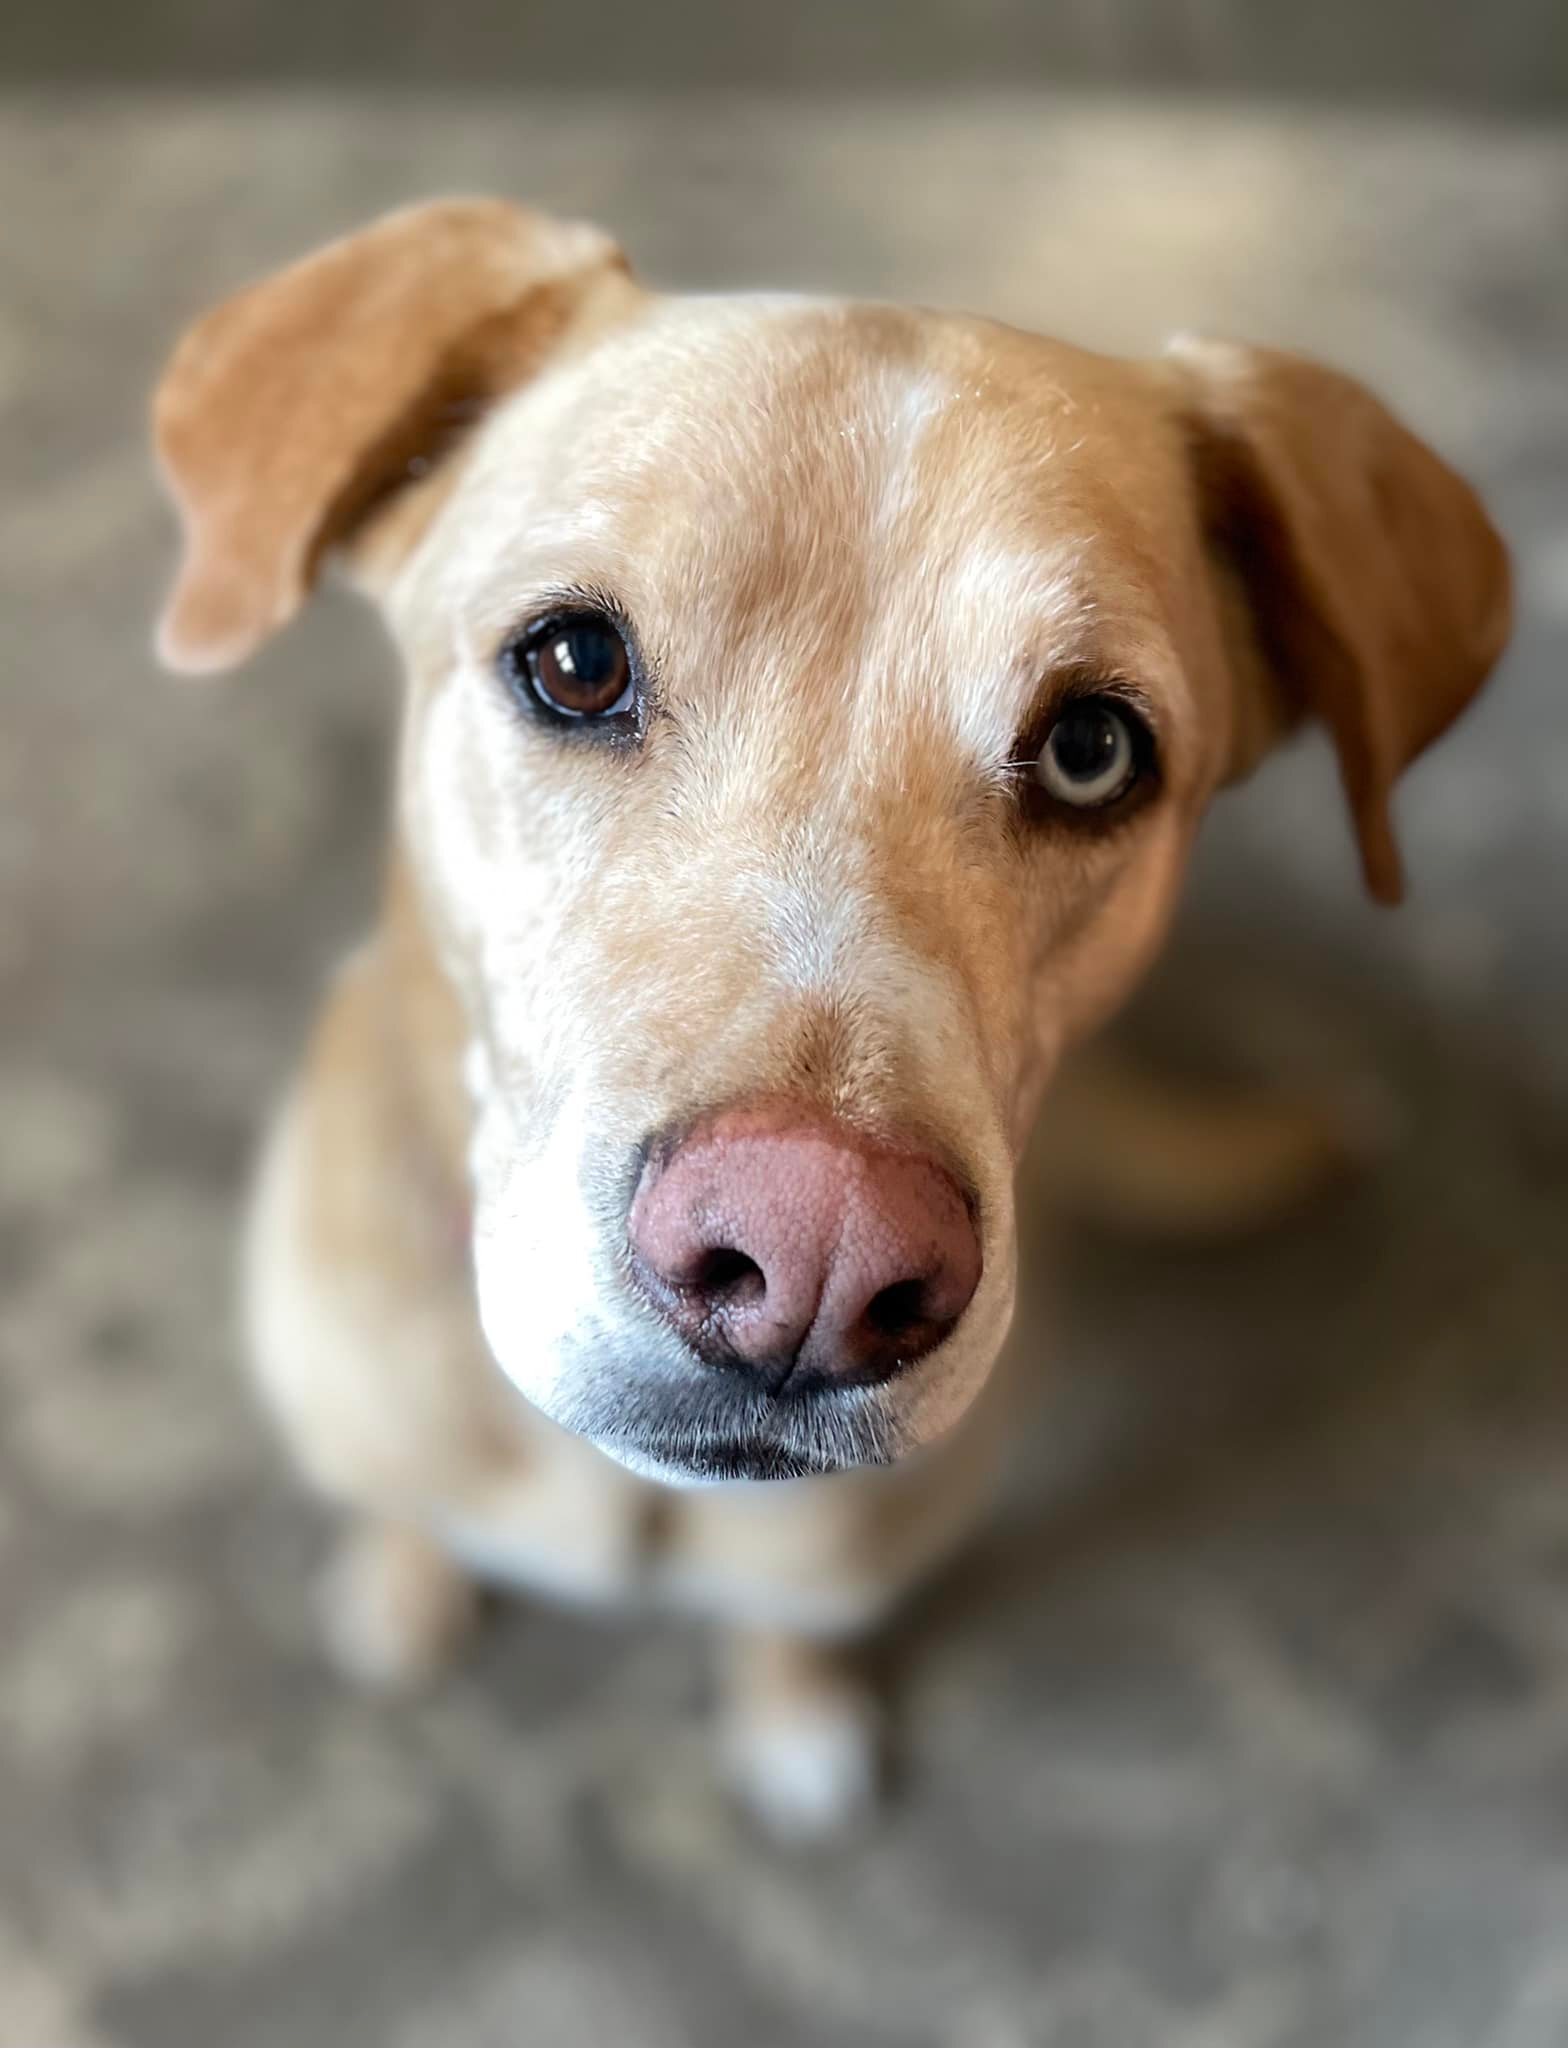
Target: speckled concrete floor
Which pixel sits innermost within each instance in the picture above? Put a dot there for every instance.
(1248, 1727)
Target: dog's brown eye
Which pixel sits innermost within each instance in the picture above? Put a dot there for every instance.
(576, 667)
(1093, 754)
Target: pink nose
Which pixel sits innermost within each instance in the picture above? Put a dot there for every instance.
(773, 1240)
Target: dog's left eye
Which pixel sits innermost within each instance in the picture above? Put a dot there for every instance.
(575, 667)
(1093, 754)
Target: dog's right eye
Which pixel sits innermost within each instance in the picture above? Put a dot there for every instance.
(577, 667)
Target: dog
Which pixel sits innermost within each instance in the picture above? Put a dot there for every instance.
(810, 707)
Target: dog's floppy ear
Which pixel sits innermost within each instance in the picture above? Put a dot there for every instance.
(1374, 591)
(292, 408)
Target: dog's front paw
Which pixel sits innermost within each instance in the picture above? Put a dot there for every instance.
(808, 1769)
(392, 1606)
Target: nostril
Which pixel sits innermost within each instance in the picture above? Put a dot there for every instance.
(859, 1257)
(724, 1274)
(897, 1309)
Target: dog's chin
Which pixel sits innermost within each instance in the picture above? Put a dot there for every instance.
(723, 1462)
(717, 1431)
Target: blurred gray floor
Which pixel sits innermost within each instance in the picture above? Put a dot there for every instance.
(1510, 54)
(1248, 1727)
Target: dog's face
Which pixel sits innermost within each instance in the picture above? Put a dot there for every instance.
(811, 707)
(854, 580)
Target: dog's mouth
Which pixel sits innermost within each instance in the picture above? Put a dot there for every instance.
(718, 1460)
(716, 1430)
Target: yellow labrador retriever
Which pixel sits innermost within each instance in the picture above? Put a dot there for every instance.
(809, 710)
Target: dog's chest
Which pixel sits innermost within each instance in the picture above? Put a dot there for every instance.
(572, 1527)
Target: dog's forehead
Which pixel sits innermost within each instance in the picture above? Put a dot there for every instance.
(807, 428)
(770, 390)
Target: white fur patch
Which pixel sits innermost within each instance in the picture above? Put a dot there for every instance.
(533, 1247)
(808, 1771)
(816, 916)
(911, 404)
(1031, 612)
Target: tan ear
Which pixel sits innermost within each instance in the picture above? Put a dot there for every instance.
(293, 407)
(1374, 586)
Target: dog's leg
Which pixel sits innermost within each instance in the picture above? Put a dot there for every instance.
(393, 1604)
(1127, 1148)
(349, 1362)
(801, 1734)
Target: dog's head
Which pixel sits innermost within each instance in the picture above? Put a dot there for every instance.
(810, 710)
